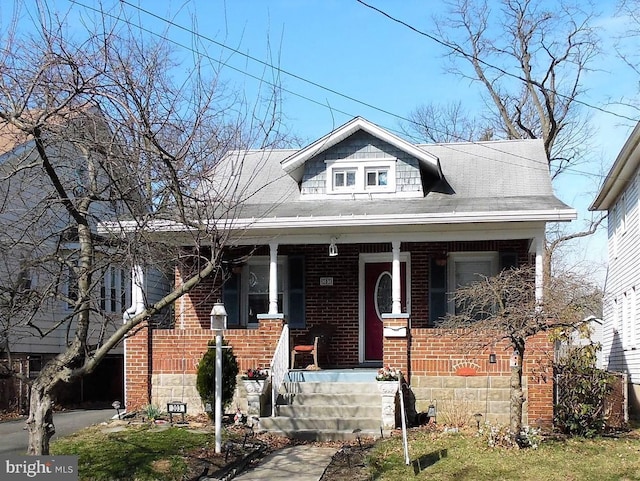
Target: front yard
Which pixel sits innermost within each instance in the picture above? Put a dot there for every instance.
(151, 452)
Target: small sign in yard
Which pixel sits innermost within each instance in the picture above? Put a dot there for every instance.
(176, 408)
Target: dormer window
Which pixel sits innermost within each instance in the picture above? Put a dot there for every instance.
(344, 178)
(361, 176)
(377, 177)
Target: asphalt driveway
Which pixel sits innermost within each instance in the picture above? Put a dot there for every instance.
(14, 438)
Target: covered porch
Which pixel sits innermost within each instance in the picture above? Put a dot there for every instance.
(381, 300)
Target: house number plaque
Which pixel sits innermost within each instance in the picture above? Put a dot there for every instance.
(326, 281)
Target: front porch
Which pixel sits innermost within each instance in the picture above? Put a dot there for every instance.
(441, 372)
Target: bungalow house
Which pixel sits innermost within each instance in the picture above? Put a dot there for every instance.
(619, 196)
(363, 235)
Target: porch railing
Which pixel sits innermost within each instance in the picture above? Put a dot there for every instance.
(279, 366)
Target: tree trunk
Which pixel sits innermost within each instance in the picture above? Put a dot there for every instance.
(40, 421)
(517, 396)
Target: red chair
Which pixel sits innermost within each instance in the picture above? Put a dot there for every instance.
(305, 349)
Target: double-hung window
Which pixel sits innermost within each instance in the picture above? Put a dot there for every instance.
(246, 291)
(115, 289)
(344, 179)
(377, 177)
(466, 268)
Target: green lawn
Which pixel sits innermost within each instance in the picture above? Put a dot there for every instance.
(148, 453)
(141, 452)
(466, 457)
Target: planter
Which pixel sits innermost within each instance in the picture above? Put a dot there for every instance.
(388, 390)
(256, 390)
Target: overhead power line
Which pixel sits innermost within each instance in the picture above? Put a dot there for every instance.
(280, 70)
(458, 50)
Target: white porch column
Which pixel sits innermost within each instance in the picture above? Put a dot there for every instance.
(539, 267)
(273, 278)
(396, 282)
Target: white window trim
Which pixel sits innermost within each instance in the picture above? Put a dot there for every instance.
(361, 167)
(492, 256)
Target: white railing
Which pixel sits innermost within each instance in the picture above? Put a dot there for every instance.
(279, 366)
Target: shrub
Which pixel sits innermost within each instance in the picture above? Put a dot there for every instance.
(582, 391)
(205, 382)
(500, 436)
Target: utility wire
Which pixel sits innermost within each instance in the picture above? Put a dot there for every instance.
(298, 77)
(458, 50)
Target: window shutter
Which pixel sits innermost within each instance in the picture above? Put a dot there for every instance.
(231, 299)
(508, 260)
(437, 292)
(296, 293)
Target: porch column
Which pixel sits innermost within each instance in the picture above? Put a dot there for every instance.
(396, 282)
(539, 268)
(273, 278)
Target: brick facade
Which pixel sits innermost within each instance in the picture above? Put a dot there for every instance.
(424, 354)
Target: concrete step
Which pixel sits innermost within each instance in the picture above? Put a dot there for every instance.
(331, 435)
(320, 411)
(330, 387)
(322, 399)
(334, 375)
(332, 405)
(326, 425)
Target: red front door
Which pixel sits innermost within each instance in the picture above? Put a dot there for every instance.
(377, 301)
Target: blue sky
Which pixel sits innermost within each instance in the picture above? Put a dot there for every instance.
(353, 50)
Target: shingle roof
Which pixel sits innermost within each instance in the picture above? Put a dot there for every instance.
(496, 176)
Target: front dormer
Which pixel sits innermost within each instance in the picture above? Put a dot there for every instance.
(360, 160)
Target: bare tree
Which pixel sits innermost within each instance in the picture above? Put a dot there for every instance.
(505, 308)
(530, 58)
(106, 124)
(449, 123)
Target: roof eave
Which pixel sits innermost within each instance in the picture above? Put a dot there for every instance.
(549, 215)
(621, 172)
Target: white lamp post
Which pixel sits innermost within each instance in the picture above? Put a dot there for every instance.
(218, 323)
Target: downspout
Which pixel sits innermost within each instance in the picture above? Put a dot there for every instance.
(137, 295)
(137, 306)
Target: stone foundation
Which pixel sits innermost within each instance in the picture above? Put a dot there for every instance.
(182, 388)
(458, 398)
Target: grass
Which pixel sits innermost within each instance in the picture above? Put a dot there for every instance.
(447, 457)
(140, 452)
(145, 452)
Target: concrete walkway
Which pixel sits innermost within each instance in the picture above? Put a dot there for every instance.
(299, 463)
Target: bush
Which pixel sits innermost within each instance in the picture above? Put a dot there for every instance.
(582, 391)
(205, 382)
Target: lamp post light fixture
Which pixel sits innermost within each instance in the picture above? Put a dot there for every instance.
(478, 418)
(218, 320)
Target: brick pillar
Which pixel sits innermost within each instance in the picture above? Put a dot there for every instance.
(538, 370)
(396, 342)
(137, 361)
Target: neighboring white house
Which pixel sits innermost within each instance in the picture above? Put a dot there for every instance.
(36, 293)
(621, 332)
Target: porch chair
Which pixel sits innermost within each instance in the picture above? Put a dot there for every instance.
(319, 337)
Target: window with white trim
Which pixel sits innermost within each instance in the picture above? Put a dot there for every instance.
(362, 176)
(115, 289)
(344, 179)
(377, 177)
(246, 291)
(465, 268)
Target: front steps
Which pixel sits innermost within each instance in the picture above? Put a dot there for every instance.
(332, 405)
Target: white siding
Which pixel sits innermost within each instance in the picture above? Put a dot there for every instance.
(621, 317)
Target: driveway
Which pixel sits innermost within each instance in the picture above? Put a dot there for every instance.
(14, 438)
